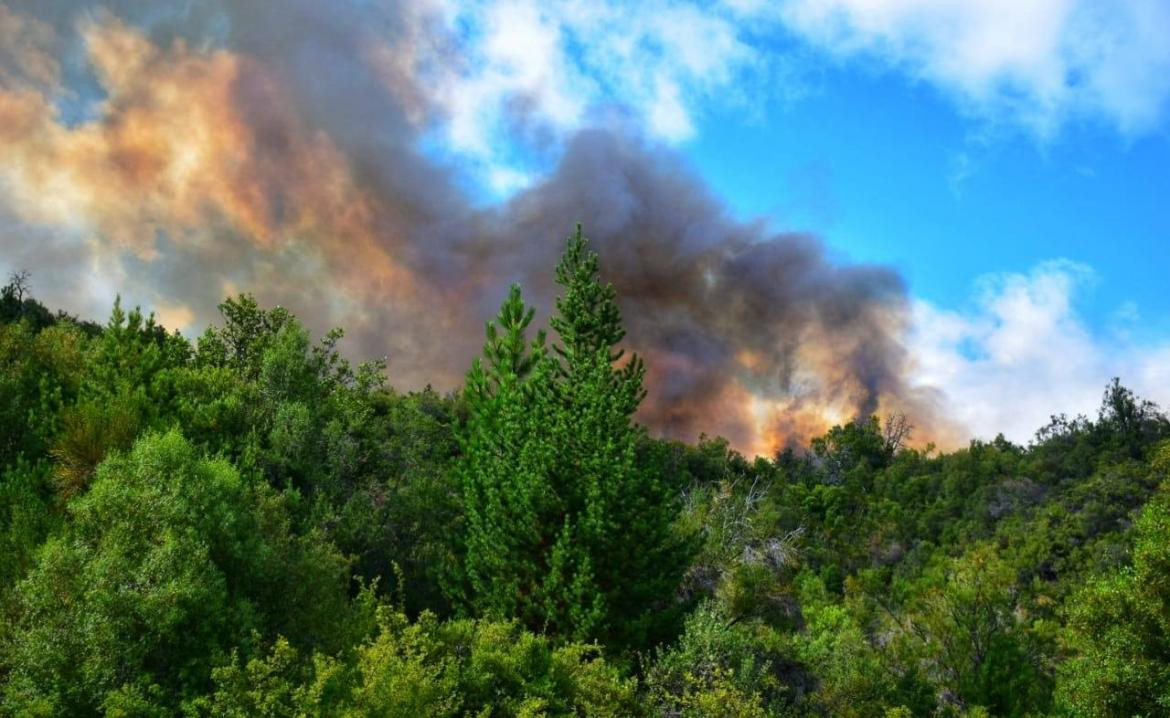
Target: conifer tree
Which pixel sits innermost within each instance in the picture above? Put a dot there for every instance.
(504, 462)
(569, 529)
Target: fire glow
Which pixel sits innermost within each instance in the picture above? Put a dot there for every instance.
(289, 165)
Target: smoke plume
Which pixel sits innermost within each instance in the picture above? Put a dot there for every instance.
(181, 153)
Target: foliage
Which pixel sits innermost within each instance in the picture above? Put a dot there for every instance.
(718, 661)
(428, 668)
(1120, 625)
(247, 524)
(169, 560)
(970, 623)
(567, 529)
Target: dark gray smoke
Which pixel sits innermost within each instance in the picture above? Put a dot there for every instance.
(329, 206)
(722, 308)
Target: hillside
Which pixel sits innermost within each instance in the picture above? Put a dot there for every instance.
(244, 523)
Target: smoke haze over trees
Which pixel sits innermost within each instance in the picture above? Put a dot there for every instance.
(431, 379)
(179, 152)
(248, 524)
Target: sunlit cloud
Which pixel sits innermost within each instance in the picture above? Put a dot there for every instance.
(1024, 351)
(1038, 64)
(547, 68)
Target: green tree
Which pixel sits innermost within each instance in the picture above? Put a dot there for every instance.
(427, 668)
(720, 666)
(1119, 626)
(854, 676)
(482, 667)
(16, 304)
(129, 358)
(40, 374)
(975, 636)
(569, 528)
(247, 331)
(507, 457)
(169, 561)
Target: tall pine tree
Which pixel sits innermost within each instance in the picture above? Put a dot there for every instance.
(503, 464)
(568, 529)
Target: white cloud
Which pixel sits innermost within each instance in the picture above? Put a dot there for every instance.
(533, 71)
(516, 54)
(1023, 353)
(506, 180)
(551, 67)
(1035, 62)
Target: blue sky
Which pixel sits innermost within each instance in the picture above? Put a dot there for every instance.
(888, 171)
(949, 140)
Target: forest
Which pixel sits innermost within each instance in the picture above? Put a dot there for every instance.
(247, 524)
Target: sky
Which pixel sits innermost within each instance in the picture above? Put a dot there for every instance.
(1011, 159)
(981, 190)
